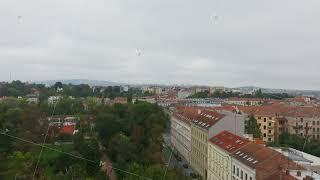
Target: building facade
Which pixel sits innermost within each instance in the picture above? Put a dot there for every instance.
(181, 135)
(257, 162)
(220, 148)
(208, 123)
(268, 126)
(199, 148)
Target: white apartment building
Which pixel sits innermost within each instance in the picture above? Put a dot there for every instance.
(220, 148)
(181, 135)
(242, 172)
(257, 162)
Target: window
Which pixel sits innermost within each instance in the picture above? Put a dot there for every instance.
(270, 124)
(264, 127)
(318, 122)
(250, 178)
(269, 139)
(270, 118)
(318, 129)
(264, 119)
(238, 172)
(234, 169)
(301, 119)
(313, 123)
(246, 176)
(259, 124)
(301, 134)
(264, 135)
(314, 129)
(269, 131)
(241, 174)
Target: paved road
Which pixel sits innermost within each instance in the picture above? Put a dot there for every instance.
(106, 165)
(174, 163)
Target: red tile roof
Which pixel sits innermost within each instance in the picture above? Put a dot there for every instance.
(265, 160)
(67, 129)
(280, 175)
(228, 141)
(281, 110)
(202, 117)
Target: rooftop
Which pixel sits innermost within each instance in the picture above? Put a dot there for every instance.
(228, 141)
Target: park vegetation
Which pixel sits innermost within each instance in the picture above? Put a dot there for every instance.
(129, 134)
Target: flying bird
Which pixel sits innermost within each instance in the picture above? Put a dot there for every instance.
(214, 17)
(19, 18)
(138, 52)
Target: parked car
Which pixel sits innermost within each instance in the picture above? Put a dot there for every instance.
(193, 175)
(179, 159)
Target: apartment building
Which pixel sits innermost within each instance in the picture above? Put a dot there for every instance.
(181, 134)
(220, 148)
(304, 121)
(206, 123)
(214, 89)
(257, 162)
(245, 101)
(268, 126)
(277, 119)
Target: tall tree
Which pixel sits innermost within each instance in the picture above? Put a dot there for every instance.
(252, 127)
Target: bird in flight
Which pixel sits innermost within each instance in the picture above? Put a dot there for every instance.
(138, 52)
(19, 18)
(214, 17)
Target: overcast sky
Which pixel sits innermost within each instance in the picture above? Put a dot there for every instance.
(216, 42)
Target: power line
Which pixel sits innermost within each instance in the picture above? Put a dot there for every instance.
(44, 141)
(165, 173)
(75, 156)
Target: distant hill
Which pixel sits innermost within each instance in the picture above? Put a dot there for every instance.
(80, 81)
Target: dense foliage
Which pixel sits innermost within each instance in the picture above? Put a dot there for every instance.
(132, 135)
(252, 127)
(307, 145)
(18, 157)
(18, 88)
(230, 94)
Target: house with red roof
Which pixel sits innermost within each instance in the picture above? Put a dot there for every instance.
(257, 162)
(208, 122)
(220, 149)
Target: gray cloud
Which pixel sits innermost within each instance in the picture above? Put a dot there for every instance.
(270, 43)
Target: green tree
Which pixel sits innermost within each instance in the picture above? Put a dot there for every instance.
(252, 127)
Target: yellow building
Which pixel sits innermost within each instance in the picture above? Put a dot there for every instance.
(199, 146)
(220, 148)
(204, 124)
(268, 126)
